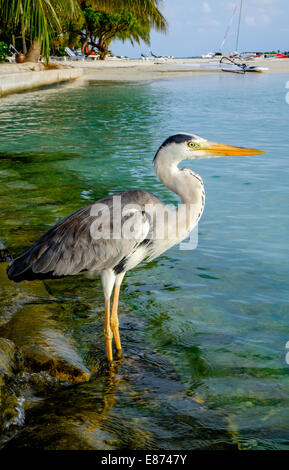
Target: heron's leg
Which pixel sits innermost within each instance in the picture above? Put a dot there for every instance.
(107, 331)
(114, 323)
(108, 279)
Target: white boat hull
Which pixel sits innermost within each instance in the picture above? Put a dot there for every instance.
(237, 69)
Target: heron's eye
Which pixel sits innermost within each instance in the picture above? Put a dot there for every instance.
(193, 145)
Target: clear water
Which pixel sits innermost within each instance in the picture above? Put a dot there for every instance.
(204, 331)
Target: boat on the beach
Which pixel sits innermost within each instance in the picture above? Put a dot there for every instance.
(246, 55)
(246, 68)
(209, 55)
(282, 56)
(230, 65)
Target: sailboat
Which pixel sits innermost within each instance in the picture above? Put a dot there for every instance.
(229, 64)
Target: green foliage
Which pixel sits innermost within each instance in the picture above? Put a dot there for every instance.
(121, 24)
(85, 21)
(4, 51)
(99, 28)
(42, 19)
(61, 51)
(147, 9)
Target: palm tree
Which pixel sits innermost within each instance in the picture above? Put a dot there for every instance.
(102, 21)
(146, 8)
(99, 28)
(122, 19)
(40, 19)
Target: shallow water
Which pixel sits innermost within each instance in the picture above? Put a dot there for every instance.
(204, 331)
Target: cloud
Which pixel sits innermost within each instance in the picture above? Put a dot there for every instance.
(230, 5)
(173, 12)
(265, 19)
(213, 22)
(261, 20)
(264, 2)
(250, 20)
(207, 7)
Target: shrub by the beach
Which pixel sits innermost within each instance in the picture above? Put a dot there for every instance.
(4, 51)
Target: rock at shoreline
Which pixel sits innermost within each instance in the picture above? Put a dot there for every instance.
(28, 320)
(5, 256)
(44, 346)
(9, 365)
(7, 357)
(54, 353)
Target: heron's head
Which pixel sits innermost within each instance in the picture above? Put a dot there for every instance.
(184, 146)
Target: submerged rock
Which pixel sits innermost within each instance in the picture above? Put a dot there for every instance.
(13, 296)
(8, 359)
(140, 406)
(44, 346)
(54, 353)
(9, 366)
(5, 255)
(28, 320)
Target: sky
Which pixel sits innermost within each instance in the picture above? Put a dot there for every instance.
(197, 26)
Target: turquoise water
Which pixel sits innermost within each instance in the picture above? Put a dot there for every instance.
(204, 331)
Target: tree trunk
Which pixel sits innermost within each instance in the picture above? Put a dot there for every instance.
(103, 49)
(102, 55)
(34, 51)
(24, 47)
(84, 46)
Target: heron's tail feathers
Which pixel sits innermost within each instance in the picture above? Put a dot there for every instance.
(32, 264)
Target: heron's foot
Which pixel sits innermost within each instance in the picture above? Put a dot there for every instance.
(108, 343)
(109, 352)
(110, 365)
(114, 327)
(119, 354)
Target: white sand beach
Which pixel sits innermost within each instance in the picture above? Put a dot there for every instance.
(135, 70)
(19, 77)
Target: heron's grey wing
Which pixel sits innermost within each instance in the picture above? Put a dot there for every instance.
(71, 247)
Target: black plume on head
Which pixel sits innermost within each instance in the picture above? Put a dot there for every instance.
(175, 139)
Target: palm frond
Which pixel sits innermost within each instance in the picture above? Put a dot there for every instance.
(42, 19)
(141, 8)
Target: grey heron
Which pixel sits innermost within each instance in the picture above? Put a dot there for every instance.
(78, 245)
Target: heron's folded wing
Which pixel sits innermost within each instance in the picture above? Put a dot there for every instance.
(74, 245)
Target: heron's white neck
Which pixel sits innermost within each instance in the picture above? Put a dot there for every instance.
(187, 184)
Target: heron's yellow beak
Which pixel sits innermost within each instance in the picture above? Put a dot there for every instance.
(213, 148)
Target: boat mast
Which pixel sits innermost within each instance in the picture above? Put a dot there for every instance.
(238, 34)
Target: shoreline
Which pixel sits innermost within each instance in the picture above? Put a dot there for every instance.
(21, 80)
(140, 70)
(15, 78)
